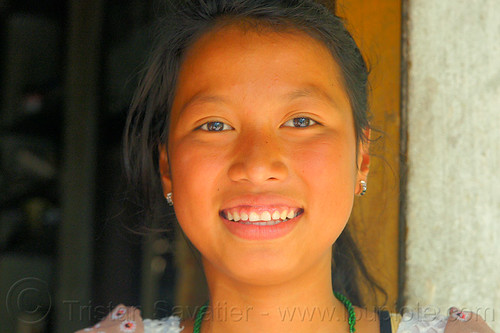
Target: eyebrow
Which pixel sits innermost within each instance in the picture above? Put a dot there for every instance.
(310, 91)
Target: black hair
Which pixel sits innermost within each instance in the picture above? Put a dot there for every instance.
(148, 120)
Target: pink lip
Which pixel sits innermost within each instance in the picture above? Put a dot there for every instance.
(260, 201)
(261, 232)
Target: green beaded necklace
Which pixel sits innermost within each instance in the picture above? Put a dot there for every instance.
(340, 297)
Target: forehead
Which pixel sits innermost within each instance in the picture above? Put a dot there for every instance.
(233, 61)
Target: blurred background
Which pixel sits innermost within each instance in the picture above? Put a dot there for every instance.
(69, 246)
(68, 72)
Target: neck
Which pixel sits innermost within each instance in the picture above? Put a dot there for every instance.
(303, 303)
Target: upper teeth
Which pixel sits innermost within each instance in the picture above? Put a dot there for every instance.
(264, 216)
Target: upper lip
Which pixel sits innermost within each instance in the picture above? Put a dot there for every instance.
(260, 200)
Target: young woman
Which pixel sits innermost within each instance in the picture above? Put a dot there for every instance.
(252, 119)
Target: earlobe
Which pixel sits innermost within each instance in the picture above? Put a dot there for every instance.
(164, 168)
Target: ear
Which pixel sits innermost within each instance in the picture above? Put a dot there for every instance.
(363, 161)
(164, 168)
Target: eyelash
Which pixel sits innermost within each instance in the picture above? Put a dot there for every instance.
(310, 123)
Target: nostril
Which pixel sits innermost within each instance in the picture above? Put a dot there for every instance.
(258, 170)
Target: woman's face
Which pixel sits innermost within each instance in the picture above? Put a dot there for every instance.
(261, 130)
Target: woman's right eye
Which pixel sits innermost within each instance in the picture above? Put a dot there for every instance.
(215, 126)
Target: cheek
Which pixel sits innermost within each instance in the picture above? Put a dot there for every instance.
(328, 167)
(327, 163)
(196, 173)
(195, 165)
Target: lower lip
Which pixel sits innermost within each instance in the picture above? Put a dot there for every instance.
(261, 232)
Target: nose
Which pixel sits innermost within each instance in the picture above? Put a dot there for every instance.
(258, 159)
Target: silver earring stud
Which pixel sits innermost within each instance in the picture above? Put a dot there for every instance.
(364, 187)
(169, 199)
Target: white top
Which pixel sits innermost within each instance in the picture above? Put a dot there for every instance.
(128, 319)
(410, 322)
(166, 325)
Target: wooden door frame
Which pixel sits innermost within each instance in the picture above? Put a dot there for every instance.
(376, 25)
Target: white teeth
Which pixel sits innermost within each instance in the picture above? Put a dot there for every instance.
(263, 219)
(265, 216)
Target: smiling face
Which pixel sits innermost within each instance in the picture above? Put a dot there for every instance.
(261, 130)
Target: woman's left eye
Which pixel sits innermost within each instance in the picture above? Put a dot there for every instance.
(215, 126)
(300, 122)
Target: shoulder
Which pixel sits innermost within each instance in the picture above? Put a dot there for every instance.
(128, 319)
(456, 322)
(188, 325)
(419, 322)
(170, 324)
(383, 322)
(366, 320)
